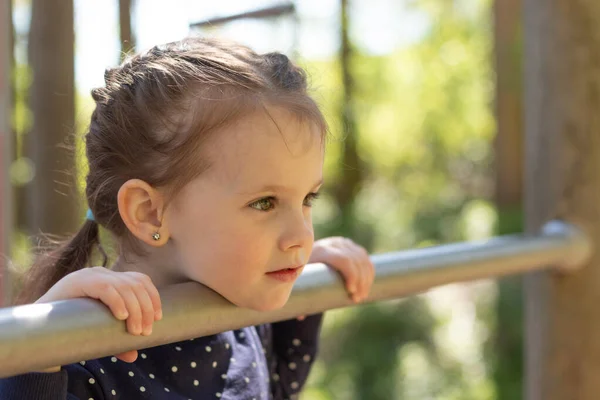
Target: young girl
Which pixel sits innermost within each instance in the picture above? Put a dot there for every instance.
(204, 161)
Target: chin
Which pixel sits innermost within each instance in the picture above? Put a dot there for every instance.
(267, 303)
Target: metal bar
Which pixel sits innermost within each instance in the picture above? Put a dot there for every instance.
(273, 11)
(41, 335)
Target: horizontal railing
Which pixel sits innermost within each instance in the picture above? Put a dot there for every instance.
(37, 336)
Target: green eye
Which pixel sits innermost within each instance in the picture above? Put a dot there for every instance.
(264, 204)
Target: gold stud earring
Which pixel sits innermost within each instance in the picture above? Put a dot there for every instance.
(156, 236)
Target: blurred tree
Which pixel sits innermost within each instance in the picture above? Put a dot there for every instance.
(52, 198)
(349, 180)
(126, 33)
(7, 145)
(364, 349)
(505, 348)
(423, 132)
(12, 88)
(20, 172)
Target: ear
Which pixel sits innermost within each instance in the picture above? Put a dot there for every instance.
(141, 208)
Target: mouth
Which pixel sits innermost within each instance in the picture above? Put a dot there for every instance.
(286, 274)
(288, 268)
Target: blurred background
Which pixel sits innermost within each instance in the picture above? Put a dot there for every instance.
(424, 102)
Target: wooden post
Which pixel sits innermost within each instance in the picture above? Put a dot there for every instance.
(52, 197)
(562, 155)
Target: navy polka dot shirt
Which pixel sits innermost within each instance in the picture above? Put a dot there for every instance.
(262, 362)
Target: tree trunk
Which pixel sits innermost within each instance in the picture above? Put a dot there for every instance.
(509, 105)
(507, 346)
(7, 145)
(562, 125)
(52, 195)
(350, 178)
(127, 36)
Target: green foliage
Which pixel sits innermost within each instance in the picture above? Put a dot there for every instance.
(22, 117)
(424, 128)
(371, 368)
(504, 349)
(425, 133)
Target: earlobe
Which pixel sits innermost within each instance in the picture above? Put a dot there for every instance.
(141, 208)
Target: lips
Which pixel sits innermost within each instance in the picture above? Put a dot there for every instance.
(290, 268)
(285, 274)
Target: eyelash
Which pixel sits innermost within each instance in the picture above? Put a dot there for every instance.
(308, 201)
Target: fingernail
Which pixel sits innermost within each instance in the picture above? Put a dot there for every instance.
(137, 329)
(148, 330)
(123, 315)
(158, 314)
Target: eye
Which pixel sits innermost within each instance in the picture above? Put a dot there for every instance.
(264, 204)
(310, 198)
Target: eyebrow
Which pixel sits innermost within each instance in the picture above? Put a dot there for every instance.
(279, 188)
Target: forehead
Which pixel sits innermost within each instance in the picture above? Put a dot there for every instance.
(271, 147)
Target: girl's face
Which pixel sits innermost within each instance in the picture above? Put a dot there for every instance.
(249, 214)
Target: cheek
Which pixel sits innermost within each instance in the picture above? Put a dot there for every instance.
(248, 248)
(228, 253)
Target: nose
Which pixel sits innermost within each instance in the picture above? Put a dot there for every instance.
(297, 232)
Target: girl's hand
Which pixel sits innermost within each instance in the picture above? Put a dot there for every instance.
(130, 296)
(351, 260)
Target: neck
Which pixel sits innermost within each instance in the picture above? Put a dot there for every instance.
(160, 266)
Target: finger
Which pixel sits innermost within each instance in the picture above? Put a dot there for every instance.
(108, 295)
(366, 269)
(353, 253)
(128, 356)
(358, 255)
(347, 270)
(351, 275)
(134, 322)
(337, 257)
(360, 282)
(146, 307)
(367, 273)
(154, 296)
(301, 318)
(362, 272)
(368, 277)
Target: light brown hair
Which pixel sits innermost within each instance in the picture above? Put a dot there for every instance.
(150, 122)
